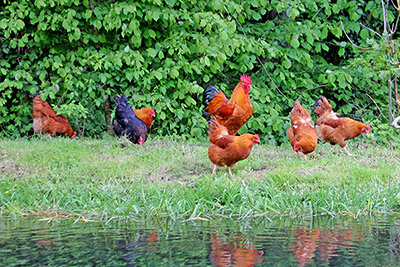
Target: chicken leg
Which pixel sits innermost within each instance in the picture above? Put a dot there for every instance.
(348, 153)
(214, 169)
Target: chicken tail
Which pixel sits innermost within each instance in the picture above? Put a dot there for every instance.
(116, 100)
(215, 130)
(321, 106)
(208, 95)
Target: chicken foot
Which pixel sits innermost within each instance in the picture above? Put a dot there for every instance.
(347, 152)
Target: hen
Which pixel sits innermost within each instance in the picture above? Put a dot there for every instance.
(232, 113)
(302, 135)
(334, 129)
(226, 149)
(45, 120)
(127, 123)
(145, 114)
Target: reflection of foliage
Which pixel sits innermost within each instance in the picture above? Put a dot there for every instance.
(162, 54)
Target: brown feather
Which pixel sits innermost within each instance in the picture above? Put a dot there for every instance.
(45, 120)
(225, 149)
(334, 129)
(233, 113)
(302, 135)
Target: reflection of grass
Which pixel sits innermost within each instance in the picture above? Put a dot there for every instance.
(114, 178)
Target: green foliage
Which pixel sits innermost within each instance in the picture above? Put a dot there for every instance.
(162, 55)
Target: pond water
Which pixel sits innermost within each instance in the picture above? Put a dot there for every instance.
(257, 242)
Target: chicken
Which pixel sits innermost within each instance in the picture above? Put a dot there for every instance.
(302, 135)
(334, 129)
(232, 113)
(226, 149)
(127, 123)
(145, 114)
(45, 120)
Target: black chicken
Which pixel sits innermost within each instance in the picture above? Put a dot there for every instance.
(127, 123)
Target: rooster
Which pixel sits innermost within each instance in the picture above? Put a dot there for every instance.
(334, 129)
(226, 149)
(127, 123)
(302, 135)
(232, 113)
(145, 114)
(45, 120)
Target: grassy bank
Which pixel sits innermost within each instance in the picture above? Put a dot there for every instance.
(112, 178)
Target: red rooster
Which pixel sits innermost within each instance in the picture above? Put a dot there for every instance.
(302, 135)
(334, 129)
(45, 120)
(226, 149)
(232, 113)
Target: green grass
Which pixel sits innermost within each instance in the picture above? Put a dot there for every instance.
(112, 178)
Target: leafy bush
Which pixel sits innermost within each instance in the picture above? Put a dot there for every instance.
(163, 53)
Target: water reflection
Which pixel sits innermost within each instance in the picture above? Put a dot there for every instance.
(308, 243)
(236, 252)
(318, 242)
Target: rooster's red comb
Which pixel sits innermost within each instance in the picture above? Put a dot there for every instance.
(246, 79)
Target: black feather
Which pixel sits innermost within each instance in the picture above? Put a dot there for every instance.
(117, 128)
(208, 95)
(126, 121)
(211, 122)
(316, 104)
(35, 95)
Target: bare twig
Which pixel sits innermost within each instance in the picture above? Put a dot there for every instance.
(277, 88)
(377, 106)
(316, 14)
(395, 24)
(395, 123)
(384, 19)
(241, 27)
(370, 30)
(396, 95)
(396, 7)
(351, 40)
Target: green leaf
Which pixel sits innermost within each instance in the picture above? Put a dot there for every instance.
(196, 132)
(287, 63)
(158, 75)
(206, 61)
(162, 116)
(174, 73)
(77, 34)
(364, 34)
(341, 51)
(170, 2)
(295, 42)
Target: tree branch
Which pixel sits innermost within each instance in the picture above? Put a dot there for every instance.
(277, 88)
(350, 39)
(370, 30)
(377, 106)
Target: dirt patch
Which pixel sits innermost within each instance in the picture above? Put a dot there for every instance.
(11, 168)
(260, 172)
(310, 171)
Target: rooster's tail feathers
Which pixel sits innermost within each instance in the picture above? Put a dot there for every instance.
(321, 105)
(208, 94)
